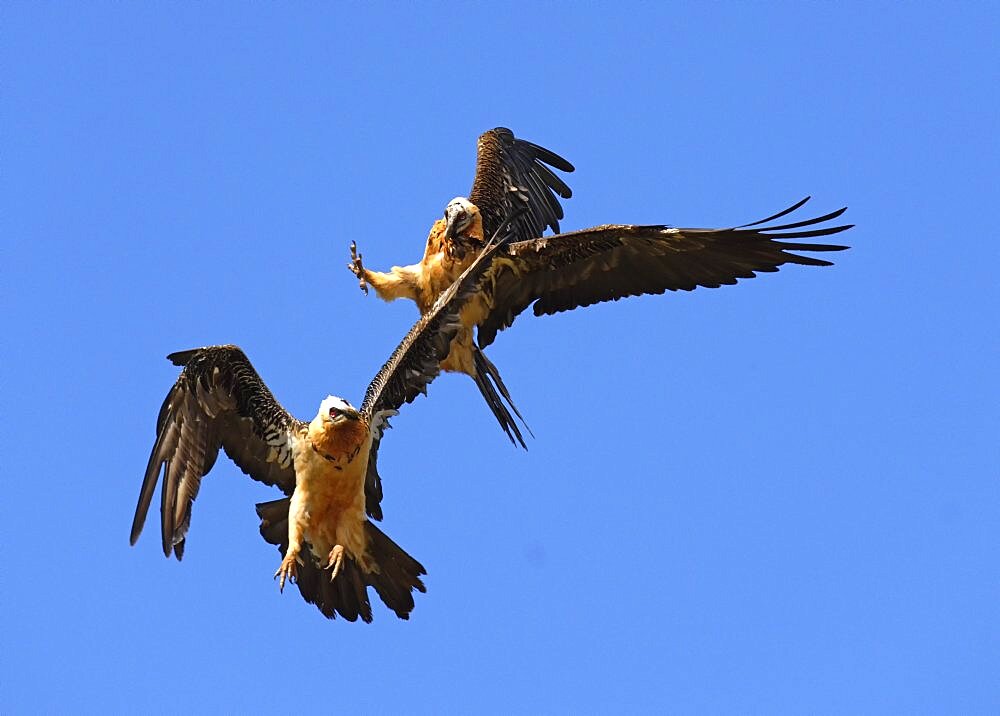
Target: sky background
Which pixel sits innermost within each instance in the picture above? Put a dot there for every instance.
(780, 496)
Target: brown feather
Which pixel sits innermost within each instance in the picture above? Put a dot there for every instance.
(218, 401)
(607, 263)
(397, 576)
(511, 175)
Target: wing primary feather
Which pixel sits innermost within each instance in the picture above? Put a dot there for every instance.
(609, 262)
(168, 497)
(512, 172)
(814, 232)
(552, 159)
(811, 247)
(217, 401)
(785, 212)
(149, 481)
(808, 222)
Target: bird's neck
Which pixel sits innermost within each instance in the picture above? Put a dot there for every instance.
(337, 442)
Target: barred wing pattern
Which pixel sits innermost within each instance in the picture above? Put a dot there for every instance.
(218, 401)
(511, 175)
(606, 263)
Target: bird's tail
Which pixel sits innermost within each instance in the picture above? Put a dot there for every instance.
(497, 396)
(398, 573)
(397, 576)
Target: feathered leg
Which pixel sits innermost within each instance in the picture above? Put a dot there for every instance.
(399, 282)
(290, 564)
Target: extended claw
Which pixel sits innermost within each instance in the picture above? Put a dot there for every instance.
(357, 268)
(289, 569)
(335, 561)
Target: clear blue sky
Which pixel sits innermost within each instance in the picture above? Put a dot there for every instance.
(781, 496)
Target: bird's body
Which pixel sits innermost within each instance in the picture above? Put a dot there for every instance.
(560, 272)
(326, 467)
(327, 509)
(424, 282)
(514, 184)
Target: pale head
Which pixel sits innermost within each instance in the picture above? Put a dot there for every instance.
(335, 410)
(460, 214)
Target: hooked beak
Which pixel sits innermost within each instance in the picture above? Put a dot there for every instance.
(451, 225)
(456, 220)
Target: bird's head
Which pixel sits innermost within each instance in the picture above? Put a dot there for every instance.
(336, 411)
(338, 431)
(461, 215)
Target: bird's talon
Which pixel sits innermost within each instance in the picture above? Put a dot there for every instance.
(335, 561)
(288, 570)
(357, 268)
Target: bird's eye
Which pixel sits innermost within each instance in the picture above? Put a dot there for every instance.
(334, 412)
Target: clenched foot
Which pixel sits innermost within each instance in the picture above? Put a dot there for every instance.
(289, 569)
(357, 268)
(335, 561)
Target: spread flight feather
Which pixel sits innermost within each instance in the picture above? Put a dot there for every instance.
(325, 467)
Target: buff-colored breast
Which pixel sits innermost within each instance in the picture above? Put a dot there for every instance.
(331, 491)
(438, 269)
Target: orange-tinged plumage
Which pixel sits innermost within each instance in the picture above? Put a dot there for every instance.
(328, 507)
(440, 266)
(515, 194)
(326, 467)
(517, 190)
(444, 260)
(343, 438)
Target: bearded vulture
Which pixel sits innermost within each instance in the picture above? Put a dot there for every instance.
(565, 271)
(326, 467)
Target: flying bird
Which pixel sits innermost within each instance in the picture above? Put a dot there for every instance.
(513, 183)
(326, 467)
(560, 272)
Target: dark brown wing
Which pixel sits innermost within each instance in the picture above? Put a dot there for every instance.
(511, 174)
(605, 263)
(218, 401)
(414, 364)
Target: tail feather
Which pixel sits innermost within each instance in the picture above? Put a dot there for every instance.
(398, 575)
(347, 595)
(488, 381)
(313, 582)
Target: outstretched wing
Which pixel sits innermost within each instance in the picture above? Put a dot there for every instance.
(218, 401)
(605, 263)
(414, 364)
(511, 175)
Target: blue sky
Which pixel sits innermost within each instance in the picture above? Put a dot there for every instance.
(775, 497)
